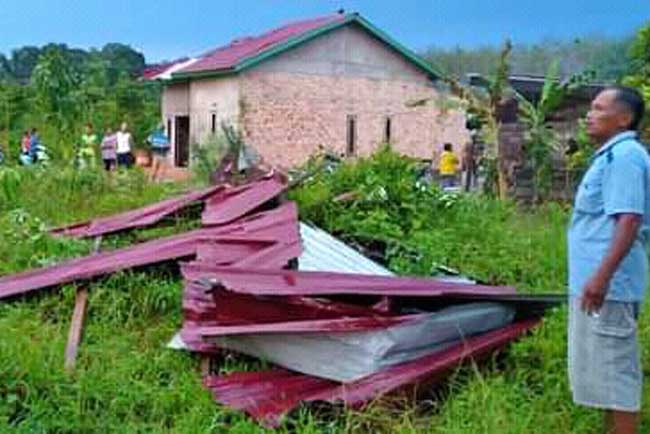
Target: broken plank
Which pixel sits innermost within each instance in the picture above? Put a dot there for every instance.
(77, 322)
(76, 328)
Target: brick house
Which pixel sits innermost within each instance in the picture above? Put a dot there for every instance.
(335, 82)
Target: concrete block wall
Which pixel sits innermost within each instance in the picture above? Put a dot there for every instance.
(287, 116)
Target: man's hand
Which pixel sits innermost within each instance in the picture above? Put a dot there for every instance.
(593, 294)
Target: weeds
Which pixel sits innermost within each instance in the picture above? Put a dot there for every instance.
(128, 382)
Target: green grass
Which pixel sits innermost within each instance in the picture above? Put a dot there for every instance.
(128, 382)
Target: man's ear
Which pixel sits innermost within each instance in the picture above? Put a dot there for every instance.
(625, 119)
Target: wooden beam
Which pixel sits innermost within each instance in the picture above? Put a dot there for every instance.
(77, 322)
(76, 328)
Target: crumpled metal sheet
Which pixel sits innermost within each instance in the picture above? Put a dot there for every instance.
(347, 350)
(323, 252)
(267, 396)
(236, 202)
(279, 223)
(138, 218)
(289, 282)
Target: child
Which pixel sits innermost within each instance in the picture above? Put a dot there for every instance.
(448, 166)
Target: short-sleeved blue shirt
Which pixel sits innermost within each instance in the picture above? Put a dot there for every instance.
(617, 182)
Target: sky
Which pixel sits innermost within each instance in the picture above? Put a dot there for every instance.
(168, 29)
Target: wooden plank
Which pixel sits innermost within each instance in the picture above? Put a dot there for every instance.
(77, 323)
(206, 362)
(76, 328)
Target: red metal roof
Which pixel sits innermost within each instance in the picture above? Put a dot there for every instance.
(228, 56)
(280, 223)
(138, 218)
(233, 203)
(269, 395)
(313, 283)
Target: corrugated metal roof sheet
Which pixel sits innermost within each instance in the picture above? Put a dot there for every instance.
(313, 283)
(269, 395)
(323, 252)
(137, 218)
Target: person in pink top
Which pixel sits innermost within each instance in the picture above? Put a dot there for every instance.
(24, 142)
(109, 150)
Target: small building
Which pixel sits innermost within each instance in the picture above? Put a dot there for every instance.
(564, 121)
(335, 82)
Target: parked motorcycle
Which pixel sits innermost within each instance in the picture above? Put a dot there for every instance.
(39, 155)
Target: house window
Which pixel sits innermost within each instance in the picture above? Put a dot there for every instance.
(169, 127)
(213, 123)
(387, 130)
(351, 135)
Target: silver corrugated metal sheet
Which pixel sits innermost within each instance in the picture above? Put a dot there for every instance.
(323, 252)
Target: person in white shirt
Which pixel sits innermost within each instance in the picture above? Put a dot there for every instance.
(124, 140)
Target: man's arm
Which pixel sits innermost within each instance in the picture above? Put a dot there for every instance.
(627, 227)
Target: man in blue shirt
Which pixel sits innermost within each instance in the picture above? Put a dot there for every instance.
(607, 241)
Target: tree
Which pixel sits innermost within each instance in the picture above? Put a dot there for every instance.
(483, 107)
(540, 140)
(639, 76)
(57, 98)
(23, 62)
(120, 59)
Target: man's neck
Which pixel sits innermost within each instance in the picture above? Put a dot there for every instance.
(601, 142)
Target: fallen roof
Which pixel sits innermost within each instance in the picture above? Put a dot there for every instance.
(323, 252)
(138, 218)
(269, 395)
(243, 53)
(280, 223)
(232, 203)
(289, 282)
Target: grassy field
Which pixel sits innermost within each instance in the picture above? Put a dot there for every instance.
(128, 382)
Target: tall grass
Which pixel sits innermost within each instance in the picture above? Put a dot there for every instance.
(128, 382)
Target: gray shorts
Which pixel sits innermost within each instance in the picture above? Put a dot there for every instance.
(603, 354)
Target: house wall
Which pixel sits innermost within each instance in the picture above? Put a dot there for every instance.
(299, 101)
(200, 99)
(348, 51)
(218, 96)
(286, 116)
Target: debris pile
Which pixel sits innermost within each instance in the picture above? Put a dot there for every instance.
(340, 327)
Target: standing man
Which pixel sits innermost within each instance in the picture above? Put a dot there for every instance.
(124, 139)
(608, 266)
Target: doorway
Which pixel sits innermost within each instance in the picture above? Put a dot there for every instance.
(182, 141)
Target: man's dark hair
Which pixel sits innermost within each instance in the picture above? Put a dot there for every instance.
(447, 147)
(632, 100)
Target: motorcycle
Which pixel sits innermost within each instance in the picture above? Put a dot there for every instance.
(39, 155)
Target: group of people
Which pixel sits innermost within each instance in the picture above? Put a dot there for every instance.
(116, 149)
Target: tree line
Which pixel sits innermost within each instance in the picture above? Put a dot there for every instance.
(607, 57)
(59, 89)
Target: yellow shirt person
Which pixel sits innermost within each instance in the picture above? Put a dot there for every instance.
(448, 166)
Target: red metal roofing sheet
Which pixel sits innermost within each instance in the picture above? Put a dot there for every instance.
(288, 282)
(269, 395)
(138, 218)
(228, 56)
(280, 223)
(310, 326)
(233, 203)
